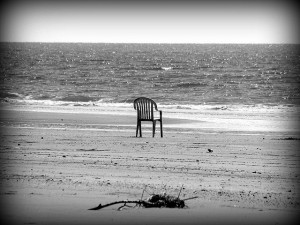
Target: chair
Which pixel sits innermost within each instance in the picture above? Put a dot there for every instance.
(144, 107)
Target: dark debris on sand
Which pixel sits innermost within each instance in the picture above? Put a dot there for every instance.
(154, 201)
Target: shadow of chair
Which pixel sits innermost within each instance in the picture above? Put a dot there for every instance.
(145, 112)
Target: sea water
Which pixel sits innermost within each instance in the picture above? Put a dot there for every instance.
(252, 87)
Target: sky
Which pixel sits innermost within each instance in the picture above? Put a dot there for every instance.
(223, 21)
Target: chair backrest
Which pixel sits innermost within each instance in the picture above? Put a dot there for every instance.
(144, 107)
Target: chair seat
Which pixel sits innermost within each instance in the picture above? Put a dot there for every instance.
(157, 119)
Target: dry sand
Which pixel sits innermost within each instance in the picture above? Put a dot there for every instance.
(55, 166)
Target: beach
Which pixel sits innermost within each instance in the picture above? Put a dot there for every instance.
(230, 109)
(55, 166)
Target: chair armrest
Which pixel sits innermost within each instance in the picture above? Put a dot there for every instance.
(156, 115)
(160, 114)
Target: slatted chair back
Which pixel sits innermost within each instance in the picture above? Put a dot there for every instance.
(144, 107)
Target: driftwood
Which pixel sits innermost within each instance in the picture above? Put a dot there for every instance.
(154, 201)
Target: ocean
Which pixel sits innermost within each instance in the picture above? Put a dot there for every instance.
(202, 82)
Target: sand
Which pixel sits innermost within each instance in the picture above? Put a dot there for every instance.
(55, 166)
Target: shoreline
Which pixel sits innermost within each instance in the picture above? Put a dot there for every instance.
(61, 164)
(205, 121)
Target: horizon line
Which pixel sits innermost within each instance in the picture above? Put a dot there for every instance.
(193, 43)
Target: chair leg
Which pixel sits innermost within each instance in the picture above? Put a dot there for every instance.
(161, 129)
(153, 128)
(140, 125)
(138, 129)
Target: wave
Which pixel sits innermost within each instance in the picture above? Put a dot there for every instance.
(166, 68)
(83, 100)
(154, 68)
(77, 98)
(124, 104)
(189, 84)
(5, 95)
(169, 107)
(44, 99)
(157, 68)
(99, 60)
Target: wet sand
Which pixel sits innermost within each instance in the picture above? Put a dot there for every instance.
(55, 166)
